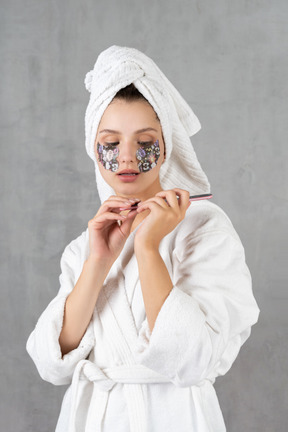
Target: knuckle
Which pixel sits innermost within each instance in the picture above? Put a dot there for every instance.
(92, 220)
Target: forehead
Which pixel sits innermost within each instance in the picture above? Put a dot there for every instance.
(121, 115)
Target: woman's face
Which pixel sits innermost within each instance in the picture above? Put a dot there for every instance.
(129, 148)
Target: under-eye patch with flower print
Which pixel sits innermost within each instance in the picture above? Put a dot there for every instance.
(107, 156)
(148, 156)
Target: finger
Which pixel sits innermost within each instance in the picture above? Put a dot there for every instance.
(105, 219)
(152, 205)
(170, 196)
(156, 199)
(119, 197)
(131, 206)
(132, 213)
(115, 205)
(125, 226)
(183, 198)
(123, 200)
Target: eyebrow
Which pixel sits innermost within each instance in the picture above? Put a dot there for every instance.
(136, 132)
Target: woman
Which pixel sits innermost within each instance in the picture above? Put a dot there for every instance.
(155, 297)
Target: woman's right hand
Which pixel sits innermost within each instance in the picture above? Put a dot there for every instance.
(106, 235)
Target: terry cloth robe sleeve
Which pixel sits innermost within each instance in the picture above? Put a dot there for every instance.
(208, 314)
(43, 343)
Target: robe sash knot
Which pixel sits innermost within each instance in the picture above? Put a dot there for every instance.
(103, 381)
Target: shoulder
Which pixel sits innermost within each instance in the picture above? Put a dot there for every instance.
(77, 249)
(203, 218)
(74, 256)
(206, 234)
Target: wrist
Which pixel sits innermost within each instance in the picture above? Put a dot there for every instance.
(98, 263)
(146, 248)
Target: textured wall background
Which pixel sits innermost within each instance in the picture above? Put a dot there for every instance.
(229, 58)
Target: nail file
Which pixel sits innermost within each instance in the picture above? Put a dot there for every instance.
(191, 198)
(200, 197)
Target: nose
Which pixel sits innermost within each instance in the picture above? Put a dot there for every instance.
(127, 152)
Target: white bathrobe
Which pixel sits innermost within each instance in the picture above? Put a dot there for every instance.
(126, 379)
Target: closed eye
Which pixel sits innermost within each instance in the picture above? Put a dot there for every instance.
(111, 143)
(145, 143)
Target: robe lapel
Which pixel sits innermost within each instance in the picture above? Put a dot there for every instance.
(114, 309)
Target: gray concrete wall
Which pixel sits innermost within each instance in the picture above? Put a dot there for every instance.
(229, 58)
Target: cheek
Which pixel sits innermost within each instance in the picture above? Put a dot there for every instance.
(148, 157)
(107, 156)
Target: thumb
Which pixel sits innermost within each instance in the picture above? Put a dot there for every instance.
(127, 223)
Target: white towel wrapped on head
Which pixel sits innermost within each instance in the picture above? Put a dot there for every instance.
(116, 68)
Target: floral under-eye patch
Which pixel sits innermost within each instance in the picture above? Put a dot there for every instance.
(107, 156)
(148, 156)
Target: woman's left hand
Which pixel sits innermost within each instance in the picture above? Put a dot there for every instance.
(166, 212)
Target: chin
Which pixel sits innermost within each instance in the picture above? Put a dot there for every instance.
(127, 191)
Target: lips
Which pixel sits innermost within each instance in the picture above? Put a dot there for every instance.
(128, 173)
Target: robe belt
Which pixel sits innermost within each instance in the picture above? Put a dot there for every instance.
(104, 380)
